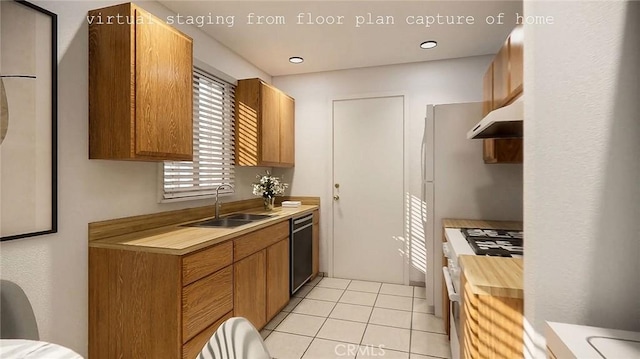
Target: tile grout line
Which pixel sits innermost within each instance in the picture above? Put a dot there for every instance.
(325, 319)
(369, 320)
(413, 301)
(367, 324)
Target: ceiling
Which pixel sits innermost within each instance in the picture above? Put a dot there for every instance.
(383, 37)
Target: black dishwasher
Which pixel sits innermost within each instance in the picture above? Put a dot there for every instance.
(301, 251)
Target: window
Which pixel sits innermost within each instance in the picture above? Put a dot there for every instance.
(213, 146)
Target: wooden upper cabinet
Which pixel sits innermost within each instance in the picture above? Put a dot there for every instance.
(516, 61)
(501, 76)
(287, 131)
(264, 125)
(501, 85)
(140, 88)
(487, 91)
(270, 139)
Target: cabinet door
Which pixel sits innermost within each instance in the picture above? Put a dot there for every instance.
(487, 91)
(164, 91)
(249, 289)
(516, 62)
(277, 277)
(270, 125)
(287, 131)
(501, 77)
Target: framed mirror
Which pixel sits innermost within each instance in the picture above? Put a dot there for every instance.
(28, 120)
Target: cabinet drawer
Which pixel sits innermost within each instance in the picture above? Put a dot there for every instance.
(201, 264)
(256, 241)
(195, 345)
(205, 301)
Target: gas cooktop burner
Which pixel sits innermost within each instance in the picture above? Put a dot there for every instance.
(494, 242)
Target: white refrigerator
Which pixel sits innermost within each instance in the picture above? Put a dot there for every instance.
(456, 183)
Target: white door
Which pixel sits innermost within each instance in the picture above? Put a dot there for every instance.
(368, 209)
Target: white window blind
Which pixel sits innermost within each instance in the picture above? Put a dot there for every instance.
(213, 146)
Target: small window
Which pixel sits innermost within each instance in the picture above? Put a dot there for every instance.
(213, 143)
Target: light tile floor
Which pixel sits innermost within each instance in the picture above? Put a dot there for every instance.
(341, 318)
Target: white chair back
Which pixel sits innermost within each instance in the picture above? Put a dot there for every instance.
(236, 338)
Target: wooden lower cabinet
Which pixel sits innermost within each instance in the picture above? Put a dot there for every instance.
(139, 308)
(250, 289)
(261, 279)
(491, 326)
(157, 305)
(277, 277)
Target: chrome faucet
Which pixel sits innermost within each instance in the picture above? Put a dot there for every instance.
(217, 204)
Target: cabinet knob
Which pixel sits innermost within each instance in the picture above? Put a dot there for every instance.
(337, 185)
(336, 197)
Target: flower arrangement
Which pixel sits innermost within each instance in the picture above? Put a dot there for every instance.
(268, 187)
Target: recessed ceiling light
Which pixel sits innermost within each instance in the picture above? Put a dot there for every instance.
(296, 60)
(428, 44)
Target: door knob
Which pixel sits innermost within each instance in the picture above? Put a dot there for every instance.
(336, 197)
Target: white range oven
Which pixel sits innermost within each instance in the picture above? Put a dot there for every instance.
(455, 246)
(493, 242)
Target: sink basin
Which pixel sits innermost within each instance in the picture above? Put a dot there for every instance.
(248, 216)
(220, 222)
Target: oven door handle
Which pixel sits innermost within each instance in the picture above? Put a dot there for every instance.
(453, 296)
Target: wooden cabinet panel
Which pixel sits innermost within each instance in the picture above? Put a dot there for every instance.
(111, 81)
(492, 326)
(258, 240)
(247, 123)
(134, 301)
(205, 301)
(140, 88)
(270, 129)
(487, 91)
(277, 277)
(201, 264)
(503, 150)
(164, 91)
(501, 77)
(249, 294)
(287, 130)
(516, 61)
(264, 119)
(194, 346)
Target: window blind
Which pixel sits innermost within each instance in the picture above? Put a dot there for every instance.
(213, 142)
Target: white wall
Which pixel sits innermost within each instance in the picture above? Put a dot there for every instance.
(436, 82)
(582, 173)
(53, 269)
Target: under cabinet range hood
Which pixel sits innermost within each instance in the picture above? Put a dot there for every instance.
(503, 122)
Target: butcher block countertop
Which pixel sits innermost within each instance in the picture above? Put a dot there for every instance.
(495, 276)
(179, 240)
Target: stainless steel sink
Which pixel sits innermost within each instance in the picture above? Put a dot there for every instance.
(220, 222)
(231, 221)
(248, 216)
